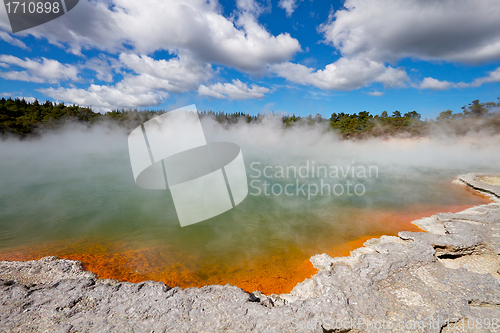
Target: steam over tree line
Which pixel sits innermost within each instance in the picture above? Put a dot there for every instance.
(22, 118)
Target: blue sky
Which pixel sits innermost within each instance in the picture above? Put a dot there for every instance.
(301, 57)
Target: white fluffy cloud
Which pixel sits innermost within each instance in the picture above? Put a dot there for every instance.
(193, 26)
(289, 6)
(387, 30)
(175, 75)
(38, 70)
(344, 74)
(434, 84)
(369, 33)
(106, 98)
(236, 90)
(149, 84)
(493, 76)
(103, 66)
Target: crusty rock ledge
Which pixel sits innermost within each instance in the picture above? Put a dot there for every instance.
(445, 280)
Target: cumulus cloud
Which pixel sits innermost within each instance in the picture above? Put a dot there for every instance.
(387, 30)
(431, 83)
(252, 7)
(493, 76)
(236, 90)
(107, 98)
(38, 70)
(175, 75)
(289, 6)
(195, 26)
(376, 93)
(145, 82)
(104, 67)
(370, 33)
(344, 74)
(434, 84)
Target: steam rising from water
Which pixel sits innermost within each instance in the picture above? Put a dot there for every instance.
(77, 184)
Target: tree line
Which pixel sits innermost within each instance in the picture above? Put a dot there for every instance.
(23, 118)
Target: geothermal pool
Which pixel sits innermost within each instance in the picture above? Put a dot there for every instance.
(73, 196)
